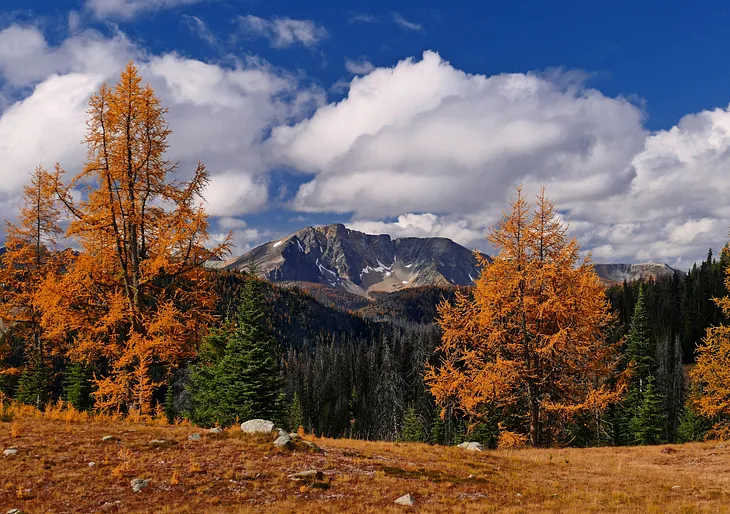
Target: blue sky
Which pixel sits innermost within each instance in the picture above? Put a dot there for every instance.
(412, 118)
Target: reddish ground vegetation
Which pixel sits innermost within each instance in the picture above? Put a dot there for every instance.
(232, 472)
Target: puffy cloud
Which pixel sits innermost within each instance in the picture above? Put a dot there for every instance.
(26, 58)
(362, 67)
(283, 32)
(219, 115)
(423, 225)
(426, 137)
(127, 9)
(449, 148)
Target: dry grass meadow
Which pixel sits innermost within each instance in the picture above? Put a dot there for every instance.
(231, 472)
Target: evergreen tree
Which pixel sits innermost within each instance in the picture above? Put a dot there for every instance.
(413, 429)
(170, 411)
(640, 348)
(77, 387)
(296, 413)
(389, 394)
(692, 427)
(245, 382)
(34, 384)
(437, 430)
(649, 424)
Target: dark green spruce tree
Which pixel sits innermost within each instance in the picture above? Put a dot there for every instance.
(77, 387)
(640, 354)
(239, 376)
(650, 422)
(413, 427)
(34, 383)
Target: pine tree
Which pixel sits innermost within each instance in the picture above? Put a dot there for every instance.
(640, 347)
(296, 413)
(77, 387)
(245, 382)
(437, 430)
(649, 424)
(692, 427)
(413, 429)
(34, 383)
(170, 411)
(389, 395)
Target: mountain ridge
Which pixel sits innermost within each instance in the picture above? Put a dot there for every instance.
(352, 261)
(334, 257)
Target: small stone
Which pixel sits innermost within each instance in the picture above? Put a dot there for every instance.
(258, 426)
(309, 474)
(92, 464)
(194, 437)
(519, 495)
(138, 484)
(471, 446)
(14, 511)
(161, 443)
(109, 438)
(676, 487)
(406, 500)
(10, 452)
(669, 450)
(215, 430)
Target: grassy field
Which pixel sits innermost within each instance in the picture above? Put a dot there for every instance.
(232, 472)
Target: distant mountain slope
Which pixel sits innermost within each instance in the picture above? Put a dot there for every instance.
(617, 273)
(359, 263)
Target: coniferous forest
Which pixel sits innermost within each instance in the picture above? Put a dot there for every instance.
(538, 352)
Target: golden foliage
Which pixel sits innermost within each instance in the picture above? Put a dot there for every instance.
(530, 337)
(136, 297)
(712, 370)
(29, 256)
(511, 440)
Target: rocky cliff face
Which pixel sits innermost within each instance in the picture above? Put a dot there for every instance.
(360, 263)
(617, 273)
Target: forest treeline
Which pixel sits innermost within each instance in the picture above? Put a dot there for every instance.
(538, 352)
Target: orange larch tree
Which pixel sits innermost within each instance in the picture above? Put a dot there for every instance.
(711, 372)
(136, 299)
(530, 338)
(30, 254)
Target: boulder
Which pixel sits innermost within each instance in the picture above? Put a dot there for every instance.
(14, 511)
(10, 452)
(194, 437)
(258, 426)
(406, 500)
(138, 484)
(471, 446)
(283, 441)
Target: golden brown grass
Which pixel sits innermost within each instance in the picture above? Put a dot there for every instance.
(230, 472)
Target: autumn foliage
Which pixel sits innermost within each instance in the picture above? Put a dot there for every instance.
(530, 340)
(29, 256)
(135, 301)
(712, 371)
